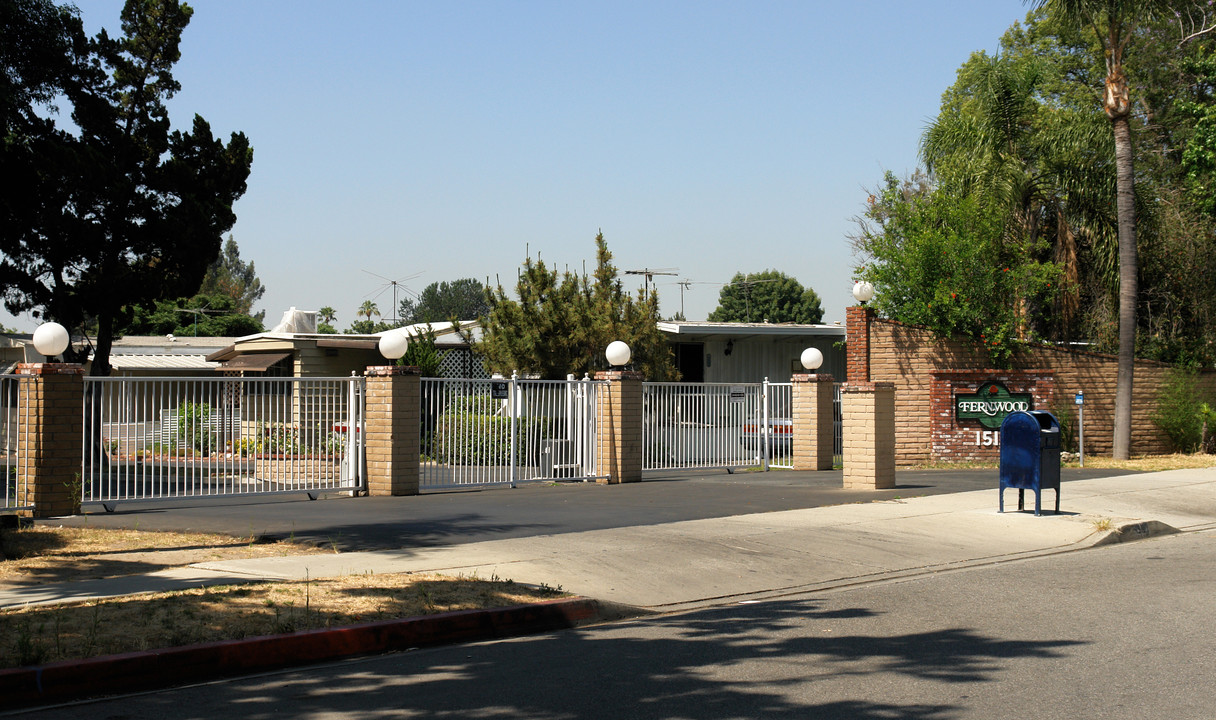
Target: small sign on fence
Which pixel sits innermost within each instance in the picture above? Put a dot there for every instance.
(737, 393)
(498, 390)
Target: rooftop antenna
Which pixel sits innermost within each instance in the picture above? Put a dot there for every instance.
(747, 284)
(684, 285)
(196, 312)
(649, 274)
(394, 284)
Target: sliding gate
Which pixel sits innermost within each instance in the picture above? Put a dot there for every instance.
(507, 431)
(156, 438)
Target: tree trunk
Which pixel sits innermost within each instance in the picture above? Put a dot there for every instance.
(1128, 289)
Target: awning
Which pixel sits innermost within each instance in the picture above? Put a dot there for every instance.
(253, 362)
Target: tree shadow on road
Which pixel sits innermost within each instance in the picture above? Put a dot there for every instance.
(783, 659)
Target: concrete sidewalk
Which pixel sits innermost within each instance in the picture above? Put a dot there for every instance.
(702, 562)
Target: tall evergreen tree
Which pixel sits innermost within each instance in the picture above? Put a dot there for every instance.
(126, 210)
(236, 279)
(561, 323)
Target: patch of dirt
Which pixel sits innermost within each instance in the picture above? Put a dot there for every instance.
(44, 634)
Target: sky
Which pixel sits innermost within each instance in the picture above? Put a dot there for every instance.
(423, 142)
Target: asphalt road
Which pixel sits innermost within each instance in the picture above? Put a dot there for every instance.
(1124, 631)
(446, 518)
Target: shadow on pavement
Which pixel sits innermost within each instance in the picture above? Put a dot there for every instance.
(774, 660)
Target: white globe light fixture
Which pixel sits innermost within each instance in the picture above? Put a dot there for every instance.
(618, 353)
(393, 344)
(863, 291)
(51, 339)
(812, 359)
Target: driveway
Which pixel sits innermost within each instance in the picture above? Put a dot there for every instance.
(466, 516)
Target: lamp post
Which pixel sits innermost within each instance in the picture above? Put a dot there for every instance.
(863, 291)
(618, 353)
(393, 344)
(812, 358)
(51, 339)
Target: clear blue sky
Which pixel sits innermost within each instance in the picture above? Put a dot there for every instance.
(440, 140)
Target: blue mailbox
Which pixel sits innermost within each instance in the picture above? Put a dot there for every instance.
(1030, 456)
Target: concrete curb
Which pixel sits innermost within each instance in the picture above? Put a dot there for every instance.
(1128, 532)
(129, 672)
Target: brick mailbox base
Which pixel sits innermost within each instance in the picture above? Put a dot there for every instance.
(868, 411)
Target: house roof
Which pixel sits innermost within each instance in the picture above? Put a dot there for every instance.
(744, 331)
(142, 361)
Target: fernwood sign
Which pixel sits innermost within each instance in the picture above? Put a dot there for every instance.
(990, 404)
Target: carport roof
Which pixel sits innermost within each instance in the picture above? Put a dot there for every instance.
(743, 331)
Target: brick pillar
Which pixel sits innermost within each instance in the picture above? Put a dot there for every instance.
(857, 337)
(812, 429)
(869, 435)
(392, 426)
(619, 432)
(49, 433)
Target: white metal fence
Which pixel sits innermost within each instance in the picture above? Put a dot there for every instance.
(153, 438)
(506, 431)
(11, 458)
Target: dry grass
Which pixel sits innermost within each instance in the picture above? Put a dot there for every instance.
(60, 554)
(50, 633)
(1150, 463)
(1143, 463)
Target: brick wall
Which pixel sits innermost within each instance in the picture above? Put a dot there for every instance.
(954, 439)
(908, 356)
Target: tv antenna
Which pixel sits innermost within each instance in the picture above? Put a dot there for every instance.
(196, 312)
(747, 284)
(649, 274)
(394, 284)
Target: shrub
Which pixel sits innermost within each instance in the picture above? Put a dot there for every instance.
(467, 434)
(1064, 409)
(194, 427)
(1180, 410)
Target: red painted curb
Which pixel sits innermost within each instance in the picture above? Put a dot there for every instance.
(127, 672)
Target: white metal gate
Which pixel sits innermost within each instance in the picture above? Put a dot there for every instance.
(502, 431)
(722, 425)
(702, 425)
(11, 457)
(154, 438)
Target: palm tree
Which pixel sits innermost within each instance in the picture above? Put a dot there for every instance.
(367, 309)
(1113, 23)
(327, 315)
(996, 140)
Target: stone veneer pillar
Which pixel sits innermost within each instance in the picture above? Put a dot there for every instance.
(812, 421)
(392, 429)
(49, 432)
(857, 342)
(868, 410)
(619, 427)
